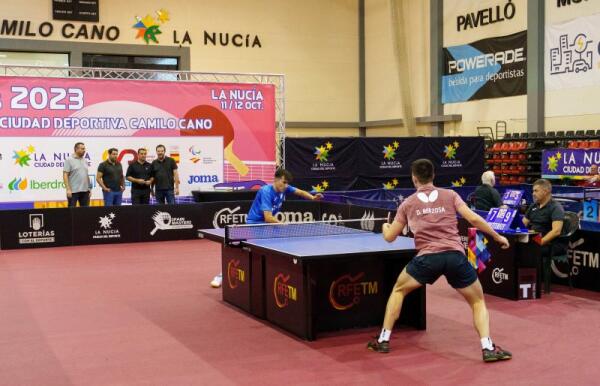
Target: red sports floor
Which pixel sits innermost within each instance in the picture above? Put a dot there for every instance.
(143, 314)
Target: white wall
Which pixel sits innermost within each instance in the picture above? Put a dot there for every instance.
(382, 80)
(314, 43)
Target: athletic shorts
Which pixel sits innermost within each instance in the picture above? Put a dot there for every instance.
(426, 269)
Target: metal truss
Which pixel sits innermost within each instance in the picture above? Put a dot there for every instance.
(277, 80)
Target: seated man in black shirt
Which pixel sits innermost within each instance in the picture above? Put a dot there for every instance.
(486, 197)
(545, 215)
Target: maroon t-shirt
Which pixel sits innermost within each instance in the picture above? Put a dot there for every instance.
(431, 215)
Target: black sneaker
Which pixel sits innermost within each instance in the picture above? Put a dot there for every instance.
(383, 347)
(497, 354)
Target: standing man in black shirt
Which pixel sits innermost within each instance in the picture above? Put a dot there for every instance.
(486, 196)
(166, 177)
(139, 173)
(110, 178)
(545, 215)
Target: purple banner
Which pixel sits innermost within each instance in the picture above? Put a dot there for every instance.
(569, 163)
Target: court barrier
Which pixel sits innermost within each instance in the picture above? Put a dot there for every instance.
(39, 228)
(53, 227)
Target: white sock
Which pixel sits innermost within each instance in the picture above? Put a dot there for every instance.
(385, 335)
(486, 343)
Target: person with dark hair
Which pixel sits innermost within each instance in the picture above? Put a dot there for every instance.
(431, 214)
(110, 178)
(545, 215)
(75, 177)
(486, 196)
(165, 177)
(139, 173)
(268, 202)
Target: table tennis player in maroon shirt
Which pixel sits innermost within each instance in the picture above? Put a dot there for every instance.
(431, 215)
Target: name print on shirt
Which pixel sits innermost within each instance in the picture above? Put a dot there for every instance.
(439, 209)
(432, 197)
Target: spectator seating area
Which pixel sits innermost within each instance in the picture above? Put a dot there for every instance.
(516, 158)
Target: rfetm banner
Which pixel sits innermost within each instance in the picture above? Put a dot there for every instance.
(125, 114)
(573, 54)
(569, 163)
(488, 68)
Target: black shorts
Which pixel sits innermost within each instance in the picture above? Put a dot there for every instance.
(426, 269)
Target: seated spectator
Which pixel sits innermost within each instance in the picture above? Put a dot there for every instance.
(486, 196)
(545, 215)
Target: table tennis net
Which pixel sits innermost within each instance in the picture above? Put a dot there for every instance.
(274, 231)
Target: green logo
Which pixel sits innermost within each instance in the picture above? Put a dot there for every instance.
(18, 184)
(322, 152)
(389, 185)
(148, 27)
(389, 151)
(553, 161)
(460, 182)
(23, 156)
(320, 187)
(450, 150)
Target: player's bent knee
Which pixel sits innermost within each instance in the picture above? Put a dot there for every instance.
(473, 294)
(405, 283)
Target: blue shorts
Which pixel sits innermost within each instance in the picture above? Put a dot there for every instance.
(426, 269)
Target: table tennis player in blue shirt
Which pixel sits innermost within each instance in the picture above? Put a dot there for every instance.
(268, 202)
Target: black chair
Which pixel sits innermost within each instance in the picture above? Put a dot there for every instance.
(541, 134)
(524, 135)
(472, 200)
(508, 136)
(590, 133)
(558, 249)
(560, 133)
(570, 133)
(597, 132)
(551, 134)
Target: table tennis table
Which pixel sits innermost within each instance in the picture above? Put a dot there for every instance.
(312, 284)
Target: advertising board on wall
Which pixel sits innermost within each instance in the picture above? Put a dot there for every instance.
(573, 54)
(489, 68)
(217, 132)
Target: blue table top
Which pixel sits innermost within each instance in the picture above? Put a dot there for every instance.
(330, 245)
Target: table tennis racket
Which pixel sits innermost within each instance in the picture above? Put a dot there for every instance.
(221, 127)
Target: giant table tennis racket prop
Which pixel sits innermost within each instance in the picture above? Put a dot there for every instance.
(221, 127)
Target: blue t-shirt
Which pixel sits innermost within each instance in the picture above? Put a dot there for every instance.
(267, 199)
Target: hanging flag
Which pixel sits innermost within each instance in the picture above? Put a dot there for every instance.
(478, 252)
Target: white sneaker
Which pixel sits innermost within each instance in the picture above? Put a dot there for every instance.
(217, 281)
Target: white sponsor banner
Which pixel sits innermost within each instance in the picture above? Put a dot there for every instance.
(572, 54)
(31, 168)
